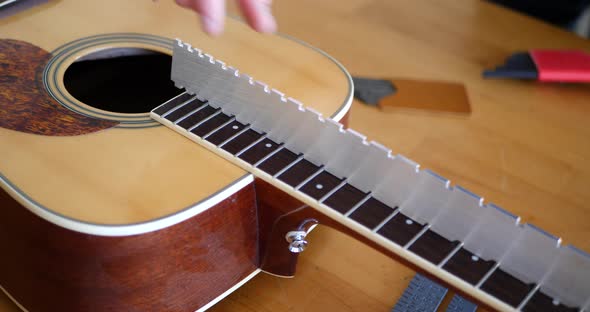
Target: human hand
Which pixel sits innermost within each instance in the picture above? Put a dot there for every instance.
(257, 13)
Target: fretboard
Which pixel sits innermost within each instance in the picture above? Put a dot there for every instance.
(444, 230)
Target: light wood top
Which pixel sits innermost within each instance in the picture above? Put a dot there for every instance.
(122, 176)
(524, 147)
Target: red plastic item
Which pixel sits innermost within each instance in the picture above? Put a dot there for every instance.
(562, 65)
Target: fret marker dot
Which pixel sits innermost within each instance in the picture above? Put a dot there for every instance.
(409, 222)
(319, 186)
(474, 258)
(235, 127)
(555, 302)
(268, 145)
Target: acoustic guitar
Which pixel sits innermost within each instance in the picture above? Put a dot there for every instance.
(110, 210)
(98, 202)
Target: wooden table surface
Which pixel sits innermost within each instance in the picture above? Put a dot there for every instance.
(525, 146)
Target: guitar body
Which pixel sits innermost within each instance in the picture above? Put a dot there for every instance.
(106, 210)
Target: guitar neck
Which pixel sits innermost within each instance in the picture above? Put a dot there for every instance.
(414, 214)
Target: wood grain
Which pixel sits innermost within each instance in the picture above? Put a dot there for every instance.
(180, 268)
(25, 105)
(442, 96)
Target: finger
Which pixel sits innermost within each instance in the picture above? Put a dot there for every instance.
(258, 14)
(212, 13)
(184, 3)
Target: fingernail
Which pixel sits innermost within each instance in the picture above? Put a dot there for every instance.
(211, 26)
(268, 23)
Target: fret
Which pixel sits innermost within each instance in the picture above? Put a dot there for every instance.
(417, 236)
(426, 199)
(432, 247)
(528, 297)
(531, 244)
(468, 266)
(386, 220)
(567, 279)
(450, 255)
(184, 110)
(536, 244)
(371, 213)
(493, 237)
(320, 185)
(210, 133)
(236, 144)
(204, 104)
(251, 144)
(298, 159)
(271, 154)
(313, 175)
(345, 198)
(400, 229)
(540, 302)
(196, 117)
(298, 173)
(224, 132)
(360, 203)
(261, 149)
(215, 113)
(506, 287)
(210, 124)
(172, 103)
(463, 213)
(278, 161)
(330, 193)
(487, 275)
(245, 129)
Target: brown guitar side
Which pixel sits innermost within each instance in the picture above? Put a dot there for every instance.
(184, 267)
(180, 268)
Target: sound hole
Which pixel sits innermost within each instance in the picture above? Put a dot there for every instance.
(122, 80)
